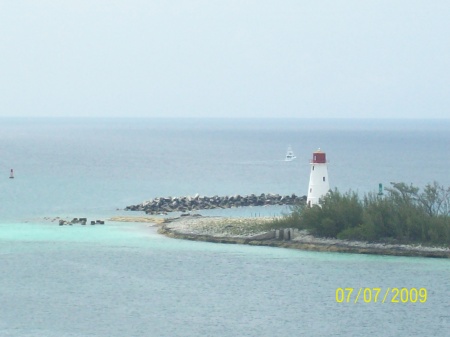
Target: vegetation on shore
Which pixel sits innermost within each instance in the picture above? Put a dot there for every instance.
(404, 214)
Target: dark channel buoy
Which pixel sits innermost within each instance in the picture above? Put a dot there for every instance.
(11, 175)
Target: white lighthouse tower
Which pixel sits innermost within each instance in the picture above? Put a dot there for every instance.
(318, 178)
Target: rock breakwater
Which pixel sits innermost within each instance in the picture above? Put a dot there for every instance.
(74, 221)
(189, 203)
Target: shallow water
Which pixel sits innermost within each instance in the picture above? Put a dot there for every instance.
(124, 279)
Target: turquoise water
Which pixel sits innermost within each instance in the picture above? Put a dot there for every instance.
(123, 279)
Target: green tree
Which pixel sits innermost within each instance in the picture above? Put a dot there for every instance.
(335, 213)
(435, 199)
(404, 214)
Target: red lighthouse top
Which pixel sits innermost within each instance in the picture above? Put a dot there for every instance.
(319, 157)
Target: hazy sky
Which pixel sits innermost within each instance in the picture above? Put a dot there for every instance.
(225, 58)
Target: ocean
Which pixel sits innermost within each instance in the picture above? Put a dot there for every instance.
(124, 279)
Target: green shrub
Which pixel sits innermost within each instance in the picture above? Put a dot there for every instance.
(404, 214)
(364, 232)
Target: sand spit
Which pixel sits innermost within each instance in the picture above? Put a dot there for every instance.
(144, 219)
(251, 231)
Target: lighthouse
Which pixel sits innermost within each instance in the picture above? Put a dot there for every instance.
(318, 178)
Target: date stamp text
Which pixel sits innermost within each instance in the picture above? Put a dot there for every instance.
(380, 295)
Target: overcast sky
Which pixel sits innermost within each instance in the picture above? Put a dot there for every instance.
(225, 58)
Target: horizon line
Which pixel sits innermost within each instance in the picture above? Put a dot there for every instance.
(229, 118)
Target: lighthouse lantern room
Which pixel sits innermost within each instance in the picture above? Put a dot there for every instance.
(318, 178)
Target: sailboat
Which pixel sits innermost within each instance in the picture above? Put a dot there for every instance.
(290, 154)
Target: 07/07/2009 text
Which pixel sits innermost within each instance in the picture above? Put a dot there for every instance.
(375, 295)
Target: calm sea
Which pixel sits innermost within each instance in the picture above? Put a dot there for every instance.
(124, 279)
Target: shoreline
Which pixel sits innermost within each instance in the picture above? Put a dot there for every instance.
(248, 231)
